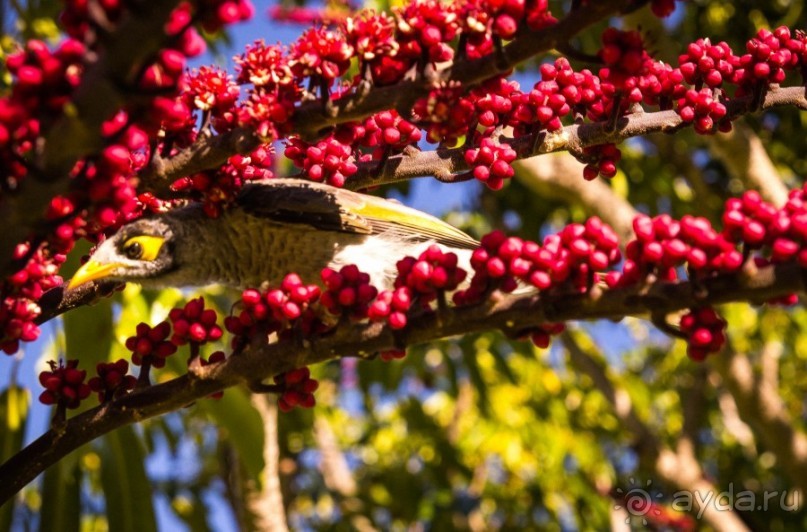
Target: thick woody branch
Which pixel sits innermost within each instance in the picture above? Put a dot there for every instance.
(512, 314)
(59, 300)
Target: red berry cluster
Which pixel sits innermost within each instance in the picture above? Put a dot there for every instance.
(661, 84)
(482, 18)
(44, 80)
(194, 323)
(17, 315)
(705, 332)
(215, 14)
(491, 162)
(274, 310)
(18, 310)
(545, 105)
(347, 291)
(420, 281)
(707, 64)
(758, 224)
(43, 83)
(112, 380)
(425, 27)
(212, 90)
(328, 160)
(434, 271)
(600, 160)
(663, 244)
(372, 36)
(38, 275)
(445, 114)
(485, 20)
(542, 336)
(581, 90)
(624, 56)
(216, 189)
(321, 54)
(264, 66)
(64, 385)
(267, 113)
(388, 131)
(706, 112)
(392, 306)
(150, 346)
(296, 388)
(769, 55)
(576, 256)
(493, 101)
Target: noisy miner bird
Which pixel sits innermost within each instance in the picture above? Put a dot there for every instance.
(275, 227)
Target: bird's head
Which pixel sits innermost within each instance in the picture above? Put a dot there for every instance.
(139, 251)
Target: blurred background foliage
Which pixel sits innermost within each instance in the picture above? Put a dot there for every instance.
(480, 432)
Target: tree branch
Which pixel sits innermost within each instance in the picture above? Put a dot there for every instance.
(310, 120)
(512, 314)
(266, 504)
(210, 152)
(571, 138)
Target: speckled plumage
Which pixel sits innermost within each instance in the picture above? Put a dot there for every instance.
(278, 227)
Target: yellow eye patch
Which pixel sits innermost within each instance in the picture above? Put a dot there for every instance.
(143, 247)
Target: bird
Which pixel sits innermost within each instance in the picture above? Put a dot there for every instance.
(274, 227)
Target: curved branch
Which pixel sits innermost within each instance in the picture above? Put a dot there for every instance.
(210, 152)
(311, 120)
(512, 314)
(570, 138)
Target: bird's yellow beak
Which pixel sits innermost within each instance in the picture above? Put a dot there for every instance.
(91, 271)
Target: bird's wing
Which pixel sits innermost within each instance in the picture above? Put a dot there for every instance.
(331, 209)
(302, 202)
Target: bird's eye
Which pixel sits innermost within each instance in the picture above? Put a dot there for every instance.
(143, 247)
(133, 251)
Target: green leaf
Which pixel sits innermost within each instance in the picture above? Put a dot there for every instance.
(61, 496)
(14, 404)
(126, 488)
